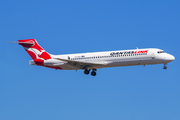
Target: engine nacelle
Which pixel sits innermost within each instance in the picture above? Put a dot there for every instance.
(49, 62)
(36, 62)
(53, 62)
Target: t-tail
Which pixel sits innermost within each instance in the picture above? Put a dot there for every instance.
(37, 53)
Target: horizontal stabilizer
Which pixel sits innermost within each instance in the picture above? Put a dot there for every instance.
(12, 42)
(28, 42)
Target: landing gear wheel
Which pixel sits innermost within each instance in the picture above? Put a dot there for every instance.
(93, 73)
(86, 71)
(165, 67)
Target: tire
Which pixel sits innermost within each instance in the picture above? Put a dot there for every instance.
(93, 73)
(86, 72)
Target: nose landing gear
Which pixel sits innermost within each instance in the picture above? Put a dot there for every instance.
(165, 67)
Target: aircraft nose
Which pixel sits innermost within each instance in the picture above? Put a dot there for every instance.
(169, 58)
(173, 58)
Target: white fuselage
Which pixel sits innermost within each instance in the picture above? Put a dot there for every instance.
(110, 59)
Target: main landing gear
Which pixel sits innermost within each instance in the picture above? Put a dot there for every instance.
(93, 73)
(165, 67)
(86, 71)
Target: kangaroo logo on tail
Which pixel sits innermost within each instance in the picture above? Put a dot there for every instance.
(34, 49)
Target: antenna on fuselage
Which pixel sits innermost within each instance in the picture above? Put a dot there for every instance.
(137, 48)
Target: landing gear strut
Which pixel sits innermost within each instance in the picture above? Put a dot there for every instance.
(165, 67)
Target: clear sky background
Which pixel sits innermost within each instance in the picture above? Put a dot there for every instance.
(77, 26)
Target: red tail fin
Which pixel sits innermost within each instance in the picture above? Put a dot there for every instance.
(34, 49)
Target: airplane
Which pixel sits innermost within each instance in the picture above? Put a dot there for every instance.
(94, 60)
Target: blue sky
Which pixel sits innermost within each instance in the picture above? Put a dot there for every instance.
(66, 26)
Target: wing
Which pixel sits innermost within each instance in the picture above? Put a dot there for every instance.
(84, 64)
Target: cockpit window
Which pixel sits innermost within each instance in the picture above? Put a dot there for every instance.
(161, 51)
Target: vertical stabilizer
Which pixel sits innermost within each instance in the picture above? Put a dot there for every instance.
(34, 49)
